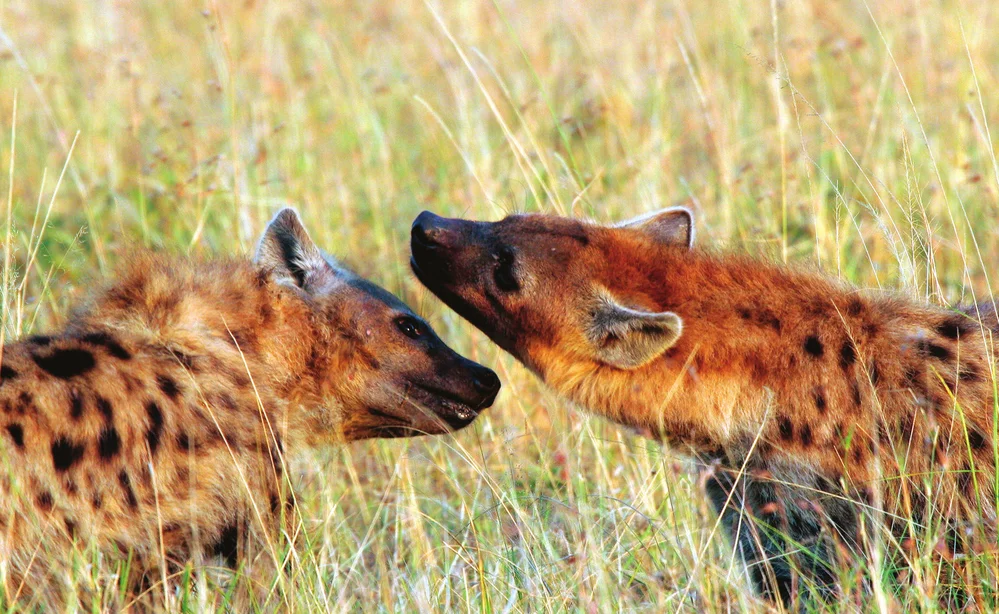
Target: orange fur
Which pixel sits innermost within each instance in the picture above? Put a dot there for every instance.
(830, 393)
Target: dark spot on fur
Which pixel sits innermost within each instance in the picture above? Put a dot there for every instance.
(70, 487)
(266, 313)
(109, 343)
(814, 347)
(44, 501)
(745, 313)
(975, 439)
(97, 500)
(818, 307)
(155, 425)
(16, 433)
(857, 452)
(854, 307)
(368, 358)
(820, 400)
(187, 361)
(969, 373)
(126, 485)
(847, 355)
(75, 404)
(104, 406)
(168, 386)
(875, 373)
(243, 340)
(184, 441)
(109, 443)
(6, 373)
(928, 348)
(66, 453)
(227, 545)
(951, 328)
(70, 527)
(905, 425)
(805, 434)
(871, 328)
(275, 502)
(25, 403)
(756, 367)
(786, 428)
(224, 400)
(40, 340)
(66, 363)
(855, 393)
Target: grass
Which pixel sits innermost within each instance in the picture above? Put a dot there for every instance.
(851, 137)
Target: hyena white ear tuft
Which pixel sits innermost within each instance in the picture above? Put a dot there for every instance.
(288, 251)
(629, 338)
(672, 226)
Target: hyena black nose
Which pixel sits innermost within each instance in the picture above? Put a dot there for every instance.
(486, 383)
(431, 230)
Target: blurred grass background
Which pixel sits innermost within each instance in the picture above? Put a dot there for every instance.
(849, 137)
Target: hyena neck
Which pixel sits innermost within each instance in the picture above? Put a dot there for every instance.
(748, 327)
(222, 314)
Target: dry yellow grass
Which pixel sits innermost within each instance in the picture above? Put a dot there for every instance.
(854, 137)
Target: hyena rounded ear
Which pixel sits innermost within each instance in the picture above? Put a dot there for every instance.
(630, 338)
(673, 226)
(287, 250)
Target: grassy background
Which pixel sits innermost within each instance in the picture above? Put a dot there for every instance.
(850, 137)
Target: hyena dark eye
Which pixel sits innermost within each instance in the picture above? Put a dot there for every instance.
(503, 273)
(410, 327)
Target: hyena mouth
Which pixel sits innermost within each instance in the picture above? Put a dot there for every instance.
(392, 426)
(456, 412)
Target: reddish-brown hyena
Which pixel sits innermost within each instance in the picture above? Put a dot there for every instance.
(157, 422)
(816, 410)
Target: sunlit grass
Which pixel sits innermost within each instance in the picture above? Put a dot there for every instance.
(851, 137)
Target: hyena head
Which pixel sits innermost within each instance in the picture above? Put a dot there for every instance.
(375, 368)
(554, 290)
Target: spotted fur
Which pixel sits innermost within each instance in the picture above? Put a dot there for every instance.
(157, 421)
(809, 404)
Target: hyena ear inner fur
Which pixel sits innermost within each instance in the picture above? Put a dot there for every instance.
(672, 226)
(287, 250)
(629, 338)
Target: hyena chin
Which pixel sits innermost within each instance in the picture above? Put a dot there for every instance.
(816, 411)
(157, 422)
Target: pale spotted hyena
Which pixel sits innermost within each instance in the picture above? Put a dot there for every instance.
(156, 424)
(815, 409)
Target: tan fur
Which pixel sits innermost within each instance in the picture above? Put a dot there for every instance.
(157, 422)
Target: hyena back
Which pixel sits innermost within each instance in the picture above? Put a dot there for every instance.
(157, 422)
(811, 406)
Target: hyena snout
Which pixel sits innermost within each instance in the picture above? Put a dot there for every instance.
(445, 251)
(435, 232)
(455, 392)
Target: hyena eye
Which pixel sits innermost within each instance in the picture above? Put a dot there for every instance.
(410, 327)
(503, 273)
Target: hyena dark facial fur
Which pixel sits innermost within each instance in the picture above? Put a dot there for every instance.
(808, 404)
(158, 421)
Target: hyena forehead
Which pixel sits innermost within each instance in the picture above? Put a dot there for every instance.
(539, 224)
(381, 295)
